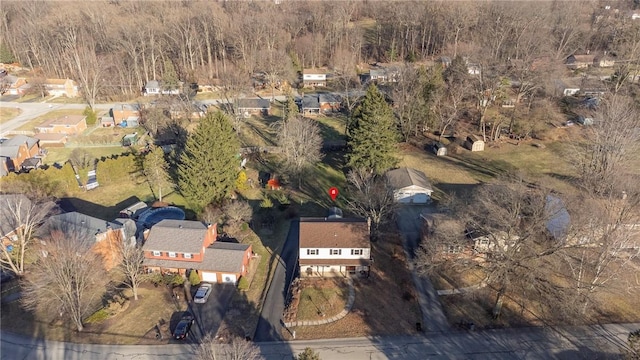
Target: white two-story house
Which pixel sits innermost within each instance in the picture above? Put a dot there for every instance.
(314, 77)
(334, 247)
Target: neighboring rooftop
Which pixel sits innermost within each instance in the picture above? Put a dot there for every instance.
(403, 177)
(64, 120)
(82, 221)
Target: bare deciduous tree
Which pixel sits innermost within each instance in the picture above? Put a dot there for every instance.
(236, 349)
(510, 219)
(20, 217)
(67, 277)
(238, 211)
(156, 169)
(370, 197)
(131, 266)
(610, 143)
(301, 144)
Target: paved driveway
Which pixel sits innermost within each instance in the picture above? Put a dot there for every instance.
(410, 224)
(209, 315)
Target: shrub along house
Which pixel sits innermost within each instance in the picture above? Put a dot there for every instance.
(176, 246)
(334, 247)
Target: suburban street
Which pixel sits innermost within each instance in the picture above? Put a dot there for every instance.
(270, 323)
(586, 342)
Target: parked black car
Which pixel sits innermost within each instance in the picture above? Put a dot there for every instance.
(184, 326)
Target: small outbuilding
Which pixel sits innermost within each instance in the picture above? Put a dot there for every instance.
(474, 143)
(439, 149)
(410, 186)
(130, 139)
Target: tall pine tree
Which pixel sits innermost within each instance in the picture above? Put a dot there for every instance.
(209, 164)
(372, 134)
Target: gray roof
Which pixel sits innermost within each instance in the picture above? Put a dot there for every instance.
(128, 107)
(404, 177)
(176, 236)
(7, 221)
(219, 257)
(261, 104)
(82, 222)
(327, 98)
(10, 147)
(152, 84)
(310, 102)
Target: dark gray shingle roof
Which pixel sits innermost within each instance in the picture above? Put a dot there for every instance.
(310, 102)
(219, 257)
(182, 236)
(81, 221)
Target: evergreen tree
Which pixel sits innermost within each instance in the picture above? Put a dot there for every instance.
(156, 169)
(291, 108)
(209, 164)
(372, 134)
(170, 76)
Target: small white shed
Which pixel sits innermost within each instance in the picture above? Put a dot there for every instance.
(439, 149)
(410, 186)
(474, 143)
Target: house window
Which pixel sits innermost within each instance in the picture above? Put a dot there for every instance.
(157, 253)
(357, 251)
(187, 256)
(172, 254)
(335, 252)
(312, 251)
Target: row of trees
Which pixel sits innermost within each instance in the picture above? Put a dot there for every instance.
(210, 40)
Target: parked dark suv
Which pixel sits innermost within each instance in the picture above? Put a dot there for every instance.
(184, 326)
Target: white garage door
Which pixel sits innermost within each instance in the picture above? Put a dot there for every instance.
(229, 278)
(403, 197)
(209, 277)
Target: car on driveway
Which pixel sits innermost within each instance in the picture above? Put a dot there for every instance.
(181, 331)
(202, 294)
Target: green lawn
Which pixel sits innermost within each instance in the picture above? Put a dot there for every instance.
(61, 154)
(332, 127)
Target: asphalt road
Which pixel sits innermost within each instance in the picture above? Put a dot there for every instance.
(593, 342)
(270, 324)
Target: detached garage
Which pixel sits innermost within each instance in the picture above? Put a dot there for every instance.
(410, 186)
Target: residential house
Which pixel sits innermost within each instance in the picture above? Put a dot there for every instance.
(51, 139)
(180, 246)
(474, 143)
(604, 61)
(13, 85)
(314, 77)
(151, 88)
(329, 103)
(310, 105)
(384, 74)
(575, 62)
(61, 87)
(410, 186)
(257, 106)
(109, 235)
(124, 112)
(334, 247)
(68, 125)
(15, 151)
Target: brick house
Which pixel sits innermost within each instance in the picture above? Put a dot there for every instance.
(15, 151)
(68, 125)
(108, 235)
(334, 247)
(122, 112)
(179, 246)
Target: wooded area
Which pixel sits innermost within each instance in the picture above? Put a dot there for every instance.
(115, 47)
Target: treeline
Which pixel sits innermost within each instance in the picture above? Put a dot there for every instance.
(115, 47)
